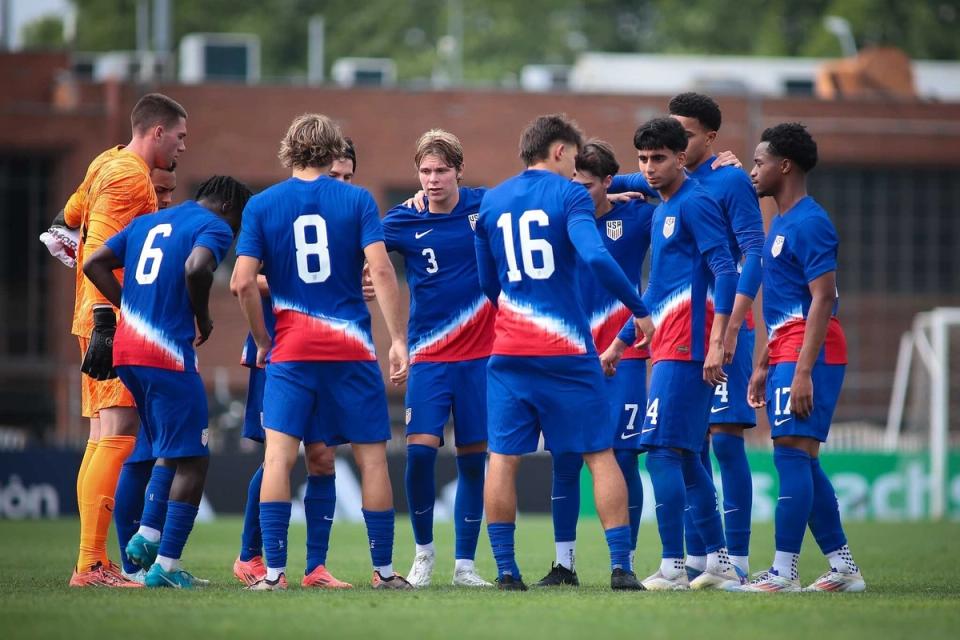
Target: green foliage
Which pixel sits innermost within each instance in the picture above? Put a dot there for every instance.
(43, 33)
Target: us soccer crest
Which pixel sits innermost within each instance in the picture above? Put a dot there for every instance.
(408, 415)
(473, 217)
(614, 229)
(668, 225)
(777, 246)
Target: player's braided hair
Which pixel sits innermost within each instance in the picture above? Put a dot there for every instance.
(226, 190)
(792, 141)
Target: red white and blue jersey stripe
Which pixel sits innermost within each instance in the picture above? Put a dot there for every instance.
(801, 246)
(450, 317)
(310, 237)
(248, 357)
(157, 326)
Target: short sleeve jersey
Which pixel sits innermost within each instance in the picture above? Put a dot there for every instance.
(801, 246)
(450, 317)
(523, 222)
(156, 327)
(310, 237)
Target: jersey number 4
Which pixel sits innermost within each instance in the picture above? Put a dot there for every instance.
(317, 270)
(528, 246)
(148, 266)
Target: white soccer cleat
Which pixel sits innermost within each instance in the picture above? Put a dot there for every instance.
(717, 578)
(468, 577)
(660, 582)
(770, 582)
(139, 576)
(422, 570)
(839, 581)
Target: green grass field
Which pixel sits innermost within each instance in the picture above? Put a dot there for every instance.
(912, 572)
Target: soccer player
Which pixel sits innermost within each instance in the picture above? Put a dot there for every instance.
(799, 375)
(171, 256)
(689, 254)
(450, 336)
(115, 190)
(625, 229)
(310, 234)
(320, 498)
(543, 375)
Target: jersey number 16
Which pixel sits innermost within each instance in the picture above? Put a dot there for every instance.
(528, 246)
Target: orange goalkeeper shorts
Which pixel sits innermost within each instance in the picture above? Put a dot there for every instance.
(100, 394)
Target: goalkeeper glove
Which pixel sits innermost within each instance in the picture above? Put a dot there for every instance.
(62, 241)
(98, 360)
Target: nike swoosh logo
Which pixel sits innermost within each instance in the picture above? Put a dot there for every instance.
(627, 436)
(777, 423)
(647, 430)
(558, 497)
(658, 506)
(785, 498)
(328, 518)
(420, 513)
(419, 235)
(469, 520)
(718, 409)
(730, 511)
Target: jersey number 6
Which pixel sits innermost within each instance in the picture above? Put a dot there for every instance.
(151, 256)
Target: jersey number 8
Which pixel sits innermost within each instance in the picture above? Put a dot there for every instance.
(151, 256)
(528, 246)
(305, 249)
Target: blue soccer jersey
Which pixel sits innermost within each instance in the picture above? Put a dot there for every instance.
(801, 247)
(530, 232)
(625, 230)
(248, 357)
(157, 326)
(310, 237)
(450, 317)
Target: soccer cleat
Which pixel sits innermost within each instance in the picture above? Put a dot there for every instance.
(396, 581)
(100, 576)
(320, 578)
(280, 584)
(251, 571)
(559, 576)
(158, 577)
(509, 583)
(692, 573)
(839, 581)
(715, 578)
(660, 582)
(468, 577)
(422, 570)
(141, 551)
(139, 576)
(770, 582)
(623, 580)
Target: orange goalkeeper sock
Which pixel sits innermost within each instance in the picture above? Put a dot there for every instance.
(99, 485)
(84, 464)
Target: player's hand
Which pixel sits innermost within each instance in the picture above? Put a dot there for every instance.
(757, 388)
(801, 395)
(366, 283)
(626, 196)
(62, 243)
(204, 328)
(417, 201)
(645, 331)
(726, 159)
(263, 350)
(399, 362)
(98, 360)
(610, 358)
(713, 365)
(730, 345)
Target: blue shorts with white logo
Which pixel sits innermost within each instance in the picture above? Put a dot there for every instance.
(678, 406)
(827, 382)
(627, 394)
(172, 407)
(434, 389)
(730, 404)
(560, 396)
(253, 414)
(334, 402)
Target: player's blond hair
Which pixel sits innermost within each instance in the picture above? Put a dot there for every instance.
(442, 144)
(313, 140)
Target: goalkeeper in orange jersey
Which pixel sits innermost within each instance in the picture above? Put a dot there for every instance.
(116, 189)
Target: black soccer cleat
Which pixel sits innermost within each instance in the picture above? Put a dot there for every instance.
(509, 583)
(559, 576)
(622, 580)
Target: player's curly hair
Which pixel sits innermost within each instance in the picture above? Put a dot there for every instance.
(792, 141)
(597, 158)
(536, 139)
(313, 140)
(698, 106)
(660, 133)
(226, 190)
(442, 144)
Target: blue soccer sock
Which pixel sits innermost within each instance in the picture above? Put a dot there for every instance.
(128, 505)
(825, 513)
(176, 530)
(666, 473)
(630, 466)
(380, 534)
(696, 548)
(501, 536)
(251, 540)
(275, 523)
(702, 499)
(155, 499)
(793, 506)
(737, 492)
(565, 506)
(319, 503)
(618, 541)
(420, 480)
(468, 504)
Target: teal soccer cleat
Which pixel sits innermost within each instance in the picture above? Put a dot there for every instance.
(141, 551)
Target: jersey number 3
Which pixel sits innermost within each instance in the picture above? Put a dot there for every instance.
(317, 270)
(148, 266)
(528, 246)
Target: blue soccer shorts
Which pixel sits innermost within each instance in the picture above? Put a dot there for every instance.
(678, 406)
(435, 389)
(827, 382)
(143, 451)
(627, 394)
(730, 404)
(253, 414)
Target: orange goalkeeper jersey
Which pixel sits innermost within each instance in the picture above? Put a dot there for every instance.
(116, 189)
